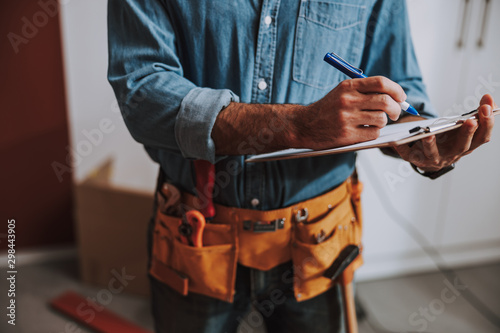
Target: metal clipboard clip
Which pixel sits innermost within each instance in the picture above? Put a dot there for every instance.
(444, 123)
(431, 128)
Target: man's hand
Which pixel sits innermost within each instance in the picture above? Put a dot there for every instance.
(352, 112)
(438, 151)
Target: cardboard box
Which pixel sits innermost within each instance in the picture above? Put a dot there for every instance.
(111, 228)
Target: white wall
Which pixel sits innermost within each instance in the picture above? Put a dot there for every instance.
(458, 213)
(91, 100)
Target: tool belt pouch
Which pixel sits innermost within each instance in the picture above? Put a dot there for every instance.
(209, 270)
(317, 241)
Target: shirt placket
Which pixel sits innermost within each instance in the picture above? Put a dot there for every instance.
(261, 93)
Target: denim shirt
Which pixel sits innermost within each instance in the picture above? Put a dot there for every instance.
(175, 64)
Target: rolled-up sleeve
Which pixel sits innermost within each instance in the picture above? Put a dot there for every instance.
(196, 119)
(161, 108)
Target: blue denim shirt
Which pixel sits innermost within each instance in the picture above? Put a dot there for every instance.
(175, 64)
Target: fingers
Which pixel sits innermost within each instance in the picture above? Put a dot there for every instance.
(372, 118)
(404, 151)
(424, 153)
(367, 133)
(433, 160)
(488, 99)
(430, 148)
(463, 140)
(390, 94)
(383, 102)
(486, 122)
(381, 85)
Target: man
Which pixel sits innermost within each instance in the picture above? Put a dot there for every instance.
(220, 80)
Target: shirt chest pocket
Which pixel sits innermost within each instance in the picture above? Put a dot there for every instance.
(322, 27)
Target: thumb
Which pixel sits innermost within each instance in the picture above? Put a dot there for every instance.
(488, 99)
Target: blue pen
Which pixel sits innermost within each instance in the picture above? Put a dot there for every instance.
(356, 73)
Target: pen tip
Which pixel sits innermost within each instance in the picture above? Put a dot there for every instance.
(412, 110)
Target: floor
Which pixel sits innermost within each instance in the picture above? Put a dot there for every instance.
(419, 303)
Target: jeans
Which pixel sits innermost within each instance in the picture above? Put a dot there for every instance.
(266, 296)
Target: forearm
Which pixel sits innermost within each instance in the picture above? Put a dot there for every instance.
(243, 128)
(339, 118)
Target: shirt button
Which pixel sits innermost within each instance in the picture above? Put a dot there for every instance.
(262, 85)
(268, 20)
(255, 202)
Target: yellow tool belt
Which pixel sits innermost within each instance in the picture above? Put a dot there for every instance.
(311, 234)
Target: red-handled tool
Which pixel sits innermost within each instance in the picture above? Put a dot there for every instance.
(191, 228)
(193, 221)
(205, 180)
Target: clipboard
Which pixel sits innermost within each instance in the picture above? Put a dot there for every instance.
(390, 136)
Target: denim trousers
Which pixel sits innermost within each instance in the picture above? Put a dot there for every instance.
(262, 298)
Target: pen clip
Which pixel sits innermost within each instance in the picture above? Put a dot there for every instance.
(335, 57)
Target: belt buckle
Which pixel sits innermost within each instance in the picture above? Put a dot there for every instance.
(264, 226)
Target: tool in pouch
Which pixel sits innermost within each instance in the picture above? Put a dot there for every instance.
(193, 222)
(342, 271)
(191, 228)
(205, 180)
(344, 259)
(189, 254)
(169, 200)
